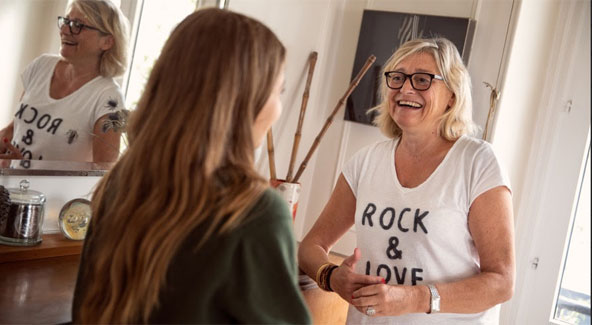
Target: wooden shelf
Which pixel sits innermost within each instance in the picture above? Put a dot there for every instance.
(53, 245)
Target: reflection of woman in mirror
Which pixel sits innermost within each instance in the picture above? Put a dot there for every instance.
(184, 229)
(432, 205)
(68, 98)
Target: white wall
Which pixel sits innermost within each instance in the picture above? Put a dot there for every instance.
(28, 28)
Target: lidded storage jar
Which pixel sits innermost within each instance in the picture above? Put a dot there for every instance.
(21, 215)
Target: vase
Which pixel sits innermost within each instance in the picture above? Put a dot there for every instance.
(290, 192)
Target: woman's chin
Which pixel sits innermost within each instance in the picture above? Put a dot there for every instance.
(65, 53)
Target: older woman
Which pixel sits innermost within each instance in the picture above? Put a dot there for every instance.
(432, 207)
(68, 98)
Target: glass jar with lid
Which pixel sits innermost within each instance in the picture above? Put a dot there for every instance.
(21, 215)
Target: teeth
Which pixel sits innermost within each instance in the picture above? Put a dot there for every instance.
(407, 103)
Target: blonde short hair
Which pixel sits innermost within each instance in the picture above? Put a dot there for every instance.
(457, 120)
(108, 19)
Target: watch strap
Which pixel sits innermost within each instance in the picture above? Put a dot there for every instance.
(434, 299)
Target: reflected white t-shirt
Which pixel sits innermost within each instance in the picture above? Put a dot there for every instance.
(417, 236)
(60, 129)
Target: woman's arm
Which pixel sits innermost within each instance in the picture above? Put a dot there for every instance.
(337, 217)
(492, 228)
(105, 144)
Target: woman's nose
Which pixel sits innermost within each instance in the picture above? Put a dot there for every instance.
(65, 29)
(407, 85)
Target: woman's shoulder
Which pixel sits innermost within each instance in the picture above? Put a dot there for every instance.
(48, 58)
(475, 152)
(473, 146)
(269, 209)
(378, 147)
(44, 62)
(107, 85)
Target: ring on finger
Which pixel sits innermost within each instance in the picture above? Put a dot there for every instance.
(370, 311)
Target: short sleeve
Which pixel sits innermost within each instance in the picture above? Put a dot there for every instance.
(487, 173)
(265, 274)
(110, 100)
(32, 69)
(352, 169)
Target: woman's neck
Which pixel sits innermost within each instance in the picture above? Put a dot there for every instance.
(423, 144)
(80, 72)
(69, 77)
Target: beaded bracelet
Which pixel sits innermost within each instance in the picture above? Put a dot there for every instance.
(323, 274)
(328, 281)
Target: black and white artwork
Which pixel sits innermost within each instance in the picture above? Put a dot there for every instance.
(381, 34)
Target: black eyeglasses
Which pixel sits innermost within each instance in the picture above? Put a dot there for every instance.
(419, 80)
(75, 26)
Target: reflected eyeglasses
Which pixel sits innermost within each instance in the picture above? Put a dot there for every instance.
(419, 80)
(75, 26)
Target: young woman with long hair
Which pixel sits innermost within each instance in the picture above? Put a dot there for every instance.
(184, 230)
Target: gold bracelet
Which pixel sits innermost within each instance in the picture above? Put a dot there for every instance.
(319, 271)
(323, 275)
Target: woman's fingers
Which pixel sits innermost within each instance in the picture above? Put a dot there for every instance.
(12, 152)
(367, 291)
(365, 301)
(366, 280)
(364, 310)
(9, 146)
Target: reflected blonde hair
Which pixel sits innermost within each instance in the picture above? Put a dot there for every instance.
(457, 120)
(189, 163)
(109, 20)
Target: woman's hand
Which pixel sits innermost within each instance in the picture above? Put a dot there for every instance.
(11, 151)
(345, 281)
(391, 300)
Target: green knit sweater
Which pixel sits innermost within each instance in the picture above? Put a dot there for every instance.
(248, 276)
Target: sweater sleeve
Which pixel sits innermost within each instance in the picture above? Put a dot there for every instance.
(264, 282)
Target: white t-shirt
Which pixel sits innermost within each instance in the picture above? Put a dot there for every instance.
(417, 236)
(60, 129)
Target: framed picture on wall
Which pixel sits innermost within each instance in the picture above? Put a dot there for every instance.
(381, 33)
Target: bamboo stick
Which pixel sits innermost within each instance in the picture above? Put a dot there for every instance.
(312, 60)
(270, 155)
(329, 120)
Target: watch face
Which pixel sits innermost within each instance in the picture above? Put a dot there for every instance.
(74, 218)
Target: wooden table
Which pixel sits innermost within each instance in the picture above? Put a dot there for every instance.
(37, 283)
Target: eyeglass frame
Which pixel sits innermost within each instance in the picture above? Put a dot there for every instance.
(410, 77)
(69, 22)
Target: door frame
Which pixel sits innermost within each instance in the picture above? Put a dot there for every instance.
(557, 159)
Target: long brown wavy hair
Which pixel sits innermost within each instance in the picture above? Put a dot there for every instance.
(189, 163)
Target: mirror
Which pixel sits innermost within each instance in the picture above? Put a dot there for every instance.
(29, 38)
(40, 35)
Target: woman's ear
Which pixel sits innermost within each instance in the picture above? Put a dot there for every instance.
(107, 42)
(451, 101)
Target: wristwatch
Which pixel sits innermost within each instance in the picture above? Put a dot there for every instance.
(434, 300)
